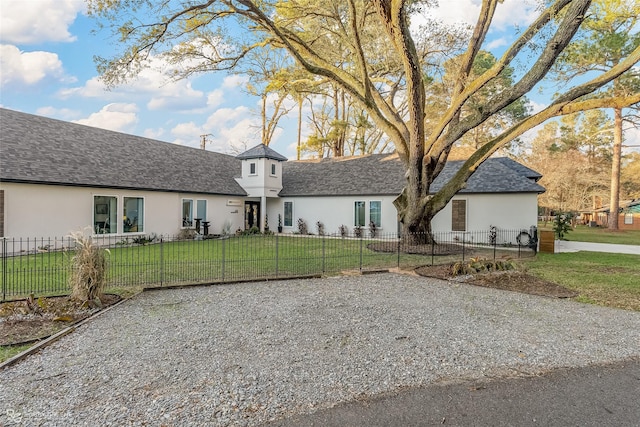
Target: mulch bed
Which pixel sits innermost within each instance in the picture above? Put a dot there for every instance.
(517, 281)
(23, 323)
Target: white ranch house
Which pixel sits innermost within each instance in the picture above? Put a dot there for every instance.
(58, 177)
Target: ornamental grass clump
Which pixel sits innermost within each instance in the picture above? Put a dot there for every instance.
(89, 269)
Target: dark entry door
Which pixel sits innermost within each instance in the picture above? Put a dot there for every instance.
(251, 215)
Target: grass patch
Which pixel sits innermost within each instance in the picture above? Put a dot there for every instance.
(582, 233)
(8, 351)
(611, 280)
(603, 235)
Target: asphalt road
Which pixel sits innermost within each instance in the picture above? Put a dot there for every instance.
(592, 396)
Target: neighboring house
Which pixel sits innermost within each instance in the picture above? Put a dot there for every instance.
(57, 177)
(628, 216)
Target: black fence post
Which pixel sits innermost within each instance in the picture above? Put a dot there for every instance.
(161, 260)
(361, 252)
(223, 257)
(433, 248)
(399, 239)
(463, 248)
(324, 254)
(495, 243)
(4, 268)
(277, 257)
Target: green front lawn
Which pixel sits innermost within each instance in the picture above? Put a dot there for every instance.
(602, 235)
(189, 261)
(611, 280)
(582, 233)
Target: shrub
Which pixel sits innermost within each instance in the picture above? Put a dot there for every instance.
(373, 229)
(226, 228)
(344, 230)
(357, 231)
(562, 225)
(320, 228)
(89, 269)
(479, 265)
(252, 230)
(302, 226)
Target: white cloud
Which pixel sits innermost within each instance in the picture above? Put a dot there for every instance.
(215, 98)
(154, 133)
(60, 113)
(499, 42)
(117, 117)
(631, 140)
(455, 12)
(152, 82)
(234, 81)
(28, 68)
(537, 106)
(31, 21)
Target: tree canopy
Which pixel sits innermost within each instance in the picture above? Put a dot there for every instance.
(368, 50)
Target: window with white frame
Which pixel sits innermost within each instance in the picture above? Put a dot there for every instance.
(105, 214)
(628, 218)
(273, 169)
(133, 215)
(252, 169)
(375, 213)
(187, 212)
(359, 213)
(288, 214)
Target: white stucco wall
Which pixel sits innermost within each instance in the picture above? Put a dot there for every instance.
(263, 183)
(332, 212)
(44, 211)
(510, 211)
(515, 211)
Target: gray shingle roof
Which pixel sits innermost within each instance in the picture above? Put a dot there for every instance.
(261, 151)
(36, 149)
(383, 174)
(41, 150)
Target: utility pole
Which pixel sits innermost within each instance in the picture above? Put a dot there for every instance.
(203, 140)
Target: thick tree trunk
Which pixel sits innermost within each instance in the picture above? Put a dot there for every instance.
(614, 204)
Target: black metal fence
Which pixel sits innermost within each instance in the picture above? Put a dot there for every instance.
(43, 266)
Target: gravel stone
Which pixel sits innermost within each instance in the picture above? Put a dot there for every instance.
(245, 354)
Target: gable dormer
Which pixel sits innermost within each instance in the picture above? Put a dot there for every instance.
(261, 171)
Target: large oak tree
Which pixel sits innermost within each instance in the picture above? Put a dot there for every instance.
(367, 49)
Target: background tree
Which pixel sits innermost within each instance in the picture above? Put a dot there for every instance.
(608, 35)
(267, 72)
(365, 48)
(574, 178)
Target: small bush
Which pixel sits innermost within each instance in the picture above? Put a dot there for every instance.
(302, 226)
(320, 228)
(252, 230)
(373, 228)
(343, 230)
(226, 228)
(562, 225)
(144, 240)
(89, 269)
(479, 265)
(357, 231)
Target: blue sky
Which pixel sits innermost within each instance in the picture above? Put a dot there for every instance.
(47, 68)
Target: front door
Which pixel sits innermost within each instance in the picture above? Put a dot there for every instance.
(251, 215)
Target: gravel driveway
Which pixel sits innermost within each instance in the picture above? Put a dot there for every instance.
(244, 354)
